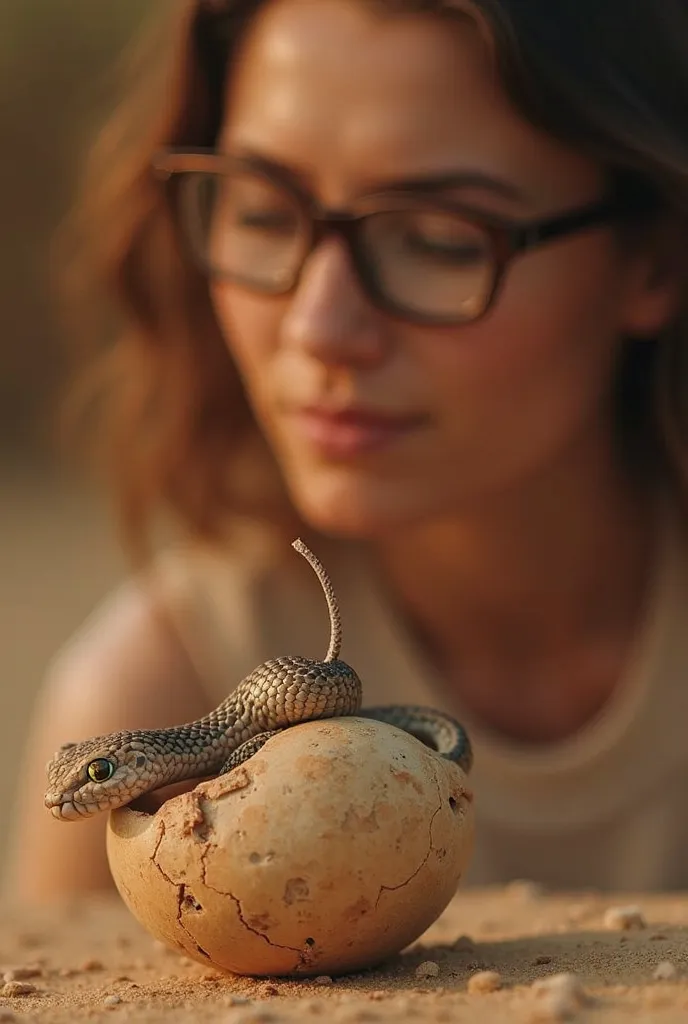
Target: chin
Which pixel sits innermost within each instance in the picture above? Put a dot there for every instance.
(357, 510)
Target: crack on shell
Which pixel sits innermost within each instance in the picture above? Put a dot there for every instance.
(417, 870)
(306, 955)
(181, 894)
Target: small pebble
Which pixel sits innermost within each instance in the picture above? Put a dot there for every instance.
(269, 990)
(540, 961)
(428, 969)
(526, 889)
(322, 979)
(560, 996)
(484, 981)
(624, 918)
(555, 1007)
(112, 1000)
(562, 982)
(17, 988)
(664, 971)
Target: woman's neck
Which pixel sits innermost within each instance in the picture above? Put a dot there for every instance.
(527, 605)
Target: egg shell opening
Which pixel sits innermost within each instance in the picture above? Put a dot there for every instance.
(331, 849)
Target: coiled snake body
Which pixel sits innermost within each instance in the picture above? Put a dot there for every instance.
(109, 771)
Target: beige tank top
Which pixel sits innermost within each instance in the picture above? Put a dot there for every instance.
(606, 808)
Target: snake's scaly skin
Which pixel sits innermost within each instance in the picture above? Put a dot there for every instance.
(280, 693)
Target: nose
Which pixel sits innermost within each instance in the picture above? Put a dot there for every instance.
(329, 315)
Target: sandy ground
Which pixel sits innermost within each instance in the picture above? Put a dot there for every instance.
(95, 962)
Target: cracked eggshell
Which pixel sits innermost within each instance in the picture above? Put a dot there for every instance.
(333, 848)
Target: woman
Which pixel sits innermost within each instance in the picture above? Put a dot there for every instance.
(408, 279)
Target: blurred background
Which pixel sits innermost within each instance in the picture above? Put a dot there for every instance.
(58, 555)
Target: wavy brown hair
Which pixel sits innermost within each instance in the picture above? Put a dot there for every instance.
(156, 394)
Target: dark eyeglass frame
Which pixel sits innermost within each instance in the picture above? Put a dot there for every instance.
(507, 239)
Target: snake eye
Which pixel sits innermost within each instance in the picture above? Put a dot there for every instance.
(100, 770)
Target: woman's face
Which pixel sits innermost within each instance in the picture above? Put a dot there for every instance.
(378, 422)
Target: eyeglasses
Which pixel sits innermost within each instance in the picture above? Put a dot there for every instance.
(425, 258)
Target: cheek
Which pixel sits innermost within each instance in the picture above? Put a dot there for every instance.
(542, 359)
(250, 327)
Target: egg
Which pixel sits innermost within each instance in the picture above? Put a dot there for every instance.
(331, 849)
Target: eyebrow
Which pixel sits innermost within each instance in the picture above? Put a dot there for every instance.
(446, 181)
(440, 181)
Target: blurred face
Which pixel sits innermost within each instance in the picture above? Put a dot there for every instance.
(378, 420)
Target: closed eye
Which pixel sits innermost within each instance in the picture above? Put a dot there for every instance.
(458, 253)
(275, 222)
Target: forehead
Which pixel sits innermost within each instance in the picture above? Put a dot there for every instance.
(346, 94)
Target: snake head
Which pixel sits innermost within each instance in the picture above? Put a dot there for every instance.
(97, 775)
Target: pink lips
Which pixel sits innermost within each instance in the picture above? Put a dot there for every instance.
(348, 433)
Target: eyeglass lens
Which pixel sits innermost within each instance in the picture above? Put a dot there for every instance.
(422, 259)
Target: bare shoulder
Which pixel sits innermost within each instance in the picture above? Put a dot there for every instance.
(124, 660)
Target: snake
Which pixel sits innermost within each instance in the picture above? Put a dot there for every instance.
(111, 771)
